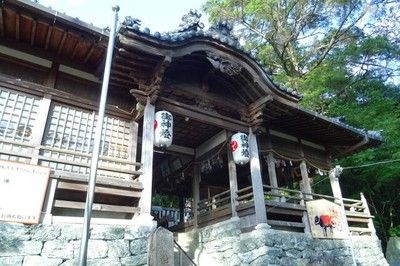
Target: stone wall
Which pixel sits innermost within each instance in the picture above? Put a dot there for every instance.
(393, 251)
(225, 244)
(48, 245)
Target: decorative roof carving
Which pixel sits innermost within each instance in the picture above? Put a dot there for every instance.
(191, 28)
(224, 65)
(191, 21)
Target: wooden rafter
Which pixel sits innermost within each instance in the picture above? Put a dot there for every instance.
(17, 24)
(48, 36)
(62, 43)
(33, 32)
(89, 54)
(1, 23)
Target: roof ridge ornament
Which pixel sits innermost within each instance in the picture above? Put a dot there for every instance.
(223, 31)
(132, 23)
(191, 21)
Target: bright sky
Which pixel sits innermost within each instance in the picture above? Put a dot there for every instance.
(157, 15)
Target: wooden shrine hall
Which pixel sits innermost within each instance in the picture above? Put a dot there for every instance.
(209, 89)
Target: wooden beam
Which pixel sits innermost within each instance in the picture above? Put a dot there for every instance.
(193, 91)
(210, 144)
(259, 103)
(104, 190)
(96, 206)
(181, 150)
(200, 115)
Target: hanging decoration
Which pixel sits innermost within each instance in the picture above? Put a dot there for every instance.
(240, 148)
(163, 129)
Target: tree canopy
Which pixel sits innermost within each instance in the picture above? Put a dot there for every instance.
(343, 56)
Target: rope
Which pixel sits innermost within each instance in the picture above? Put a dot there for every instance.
(370, 164)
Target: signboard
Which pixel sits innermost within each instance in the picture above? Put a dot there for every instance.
(327, 219)
(22, 191)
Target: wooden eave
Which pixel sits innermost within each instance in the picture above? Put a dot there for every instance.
(46, 33)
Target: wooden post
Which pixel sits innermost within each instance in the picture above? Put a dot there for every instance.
(334, 178)
(305, 180)
(147, 163)
(196, 193)
(256, 181)
(181, 209)
(133, 134)
(232, 179)
(38, 133)
(366, 211)
(272, 173)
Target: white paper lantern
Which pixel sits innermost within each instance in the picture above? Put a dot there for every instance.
(163, 129)
(240, 148)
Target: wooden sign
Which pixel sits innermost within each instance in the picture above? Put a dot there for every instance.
(22, 191)
(327, 219)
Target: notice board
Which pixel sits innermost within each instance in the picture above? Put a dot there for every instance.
(22, 191)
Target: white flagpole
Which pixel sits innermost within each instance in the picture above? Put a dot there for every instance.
(96, 145)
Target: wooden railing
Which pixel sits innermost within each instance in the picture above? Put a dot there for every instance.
(215, 208)
(116, 178)
(286, 209)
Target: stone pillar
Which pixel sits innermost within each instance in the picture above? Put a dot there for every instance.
(232, 179)
(147, 164)
(256, 181)
(161, 248)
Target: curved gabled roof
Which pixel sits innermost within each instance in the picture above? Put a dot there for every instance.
(213, 57)
(218, 44)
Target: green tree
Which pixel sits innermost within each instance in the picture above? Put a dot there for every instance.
(344, 57)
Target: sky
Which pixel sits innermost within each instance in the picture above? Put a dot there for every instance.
(157, 15)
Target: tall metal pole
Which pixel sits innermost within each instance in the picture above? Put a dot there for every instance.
(96, 145)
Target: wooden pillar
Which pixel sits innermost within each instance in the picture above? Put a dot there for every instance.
(37, 136)
(256, 181)
(181, 209)
(272, 172)
(306, 188)
(334, 178)
(196, 193)
(232, 179)
(133, 134)
(147, 163)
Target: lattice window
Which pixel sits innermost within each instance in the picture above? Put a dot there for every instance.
(18, 113)
(72, 130)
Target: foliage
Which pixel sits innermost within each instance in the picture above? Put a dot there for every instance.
(166, 201)
(344, 58)
(395, 231)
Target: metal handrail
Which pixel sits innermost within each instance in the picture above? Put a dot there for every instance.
(180, 249)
